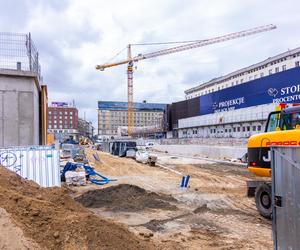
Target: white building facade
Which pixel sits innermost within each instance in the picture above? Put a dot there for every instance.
(275, 64)
(237, 105)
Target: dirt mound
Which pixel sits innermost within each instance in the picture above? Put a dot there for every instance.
(125, 198)
(11, 236)
(55, 221)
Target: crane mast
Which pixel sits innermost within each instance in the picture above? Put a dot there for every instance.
(196, 44)
(130, 91)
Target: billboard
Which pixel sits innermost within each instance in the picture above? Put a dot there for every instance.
(59, 104)
(282, 87)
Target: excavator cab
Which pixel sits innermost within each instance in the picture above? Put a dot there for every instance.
(286, 119)
(290, 118)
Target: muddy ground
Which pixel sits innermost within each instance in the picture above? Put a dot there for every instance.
(212, 213)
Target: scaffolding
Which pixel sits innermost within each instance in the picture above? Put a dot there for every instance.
(18, 52)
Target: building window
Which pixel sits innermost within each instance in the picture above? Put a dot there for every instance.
(297, 64)
(258, 128)
(242, 80)
(244, 129)
(277, 69)
(234, 129)
(50, 111)
(270, 71)
(262, 74)
(238, 129)
(283, 67)
(254, 128)
(55, 126)
(248, 128)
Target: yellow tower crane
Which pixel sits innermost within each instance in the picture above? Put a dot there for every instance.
(188, 45)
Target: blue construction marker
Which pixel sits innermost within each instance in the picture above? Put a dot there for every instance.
(182, 181)
(187, 181)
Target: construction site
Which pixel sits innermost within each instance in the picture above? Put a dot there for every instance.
(144, 208)
(216, 169)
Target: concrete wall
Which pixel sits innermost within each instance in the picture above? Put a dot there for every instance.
(19, 109)
(214, 152)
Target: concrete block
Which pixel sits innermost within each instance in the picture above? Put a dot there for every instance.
(19, 112)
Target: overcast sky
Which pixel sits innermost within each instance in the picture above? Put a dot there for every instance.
(73, 36)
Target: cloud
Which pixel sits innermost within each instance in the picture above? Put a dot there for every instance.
(73, 36)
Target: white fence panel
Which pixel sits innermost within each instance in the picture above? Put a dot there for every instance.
(37, 163)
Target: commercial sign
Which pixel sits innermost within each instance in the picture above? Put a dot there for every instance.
(59, 104)
(282, 87)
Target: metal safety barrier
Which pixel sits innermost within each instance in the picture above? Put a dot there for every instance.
(286, 197)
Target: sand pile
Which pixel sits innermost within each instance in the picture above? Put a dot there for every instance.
(52, 219)
(125, 198)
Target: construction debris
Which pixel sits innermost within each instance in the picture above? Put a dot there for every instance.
(75, 178)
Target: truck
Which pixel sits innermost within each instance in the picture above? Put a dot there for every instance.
(282, 129)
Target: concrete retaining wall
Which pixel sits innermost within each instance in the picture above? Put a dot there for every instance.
(19, 109)
(206, 141)
(214, 152)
